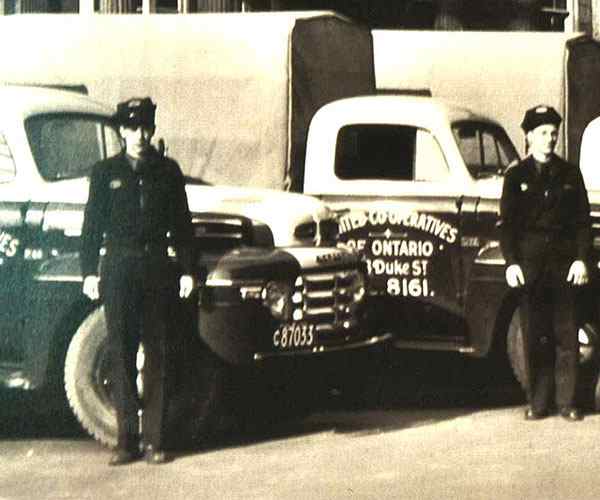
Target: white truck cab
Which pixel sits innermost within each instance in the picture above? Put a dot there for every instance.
(416, 183)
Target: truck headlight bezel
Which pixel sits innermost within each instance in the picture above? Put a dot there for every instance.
(277, 297)
(360, 288)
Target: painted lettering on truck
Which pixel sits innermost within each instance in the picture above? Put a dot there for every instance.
(401, 248)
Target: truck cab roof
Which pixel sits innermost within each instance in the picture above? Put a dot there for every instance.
(28, 100)
(399, 144)
(420, 111)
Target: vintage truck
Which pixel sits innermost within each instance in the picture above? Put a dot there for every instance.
(416, 182)
(274, 286)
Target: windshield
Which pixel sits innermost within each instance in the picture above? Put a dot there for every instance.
(65, 146)
(485, 148)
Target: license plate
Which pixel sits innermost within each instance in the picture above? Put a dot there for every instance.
(295, 335)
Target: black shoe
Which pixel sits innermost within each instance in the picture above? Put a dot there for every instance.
(155, 456)
(122, 457)
(571, 414)
(530, 414)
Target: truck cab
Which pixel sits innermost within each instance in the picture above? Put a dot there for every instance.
(416, 183)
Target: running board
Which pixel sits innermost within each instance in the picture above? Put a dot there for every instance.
(424, 345)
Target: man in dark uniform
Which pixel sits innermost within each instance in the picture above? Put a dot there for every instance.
(137, 208)
(546, 240)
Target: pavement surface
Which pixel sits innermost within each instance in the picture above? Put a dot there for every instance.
(459, 437)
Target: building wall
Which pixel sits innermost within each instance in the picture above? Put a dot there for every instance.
(556, 15)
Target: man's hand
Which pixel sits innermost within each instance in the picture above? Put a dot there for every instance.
(514, 276)
(186, 286)
(91, 287)
(578, 274)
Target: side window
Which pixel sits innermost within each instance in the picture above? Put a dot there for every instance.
(112, 141)
(492, 161)
(66, 146)
(388, 152)
(369, 151)
(484, 147)
(430, 163)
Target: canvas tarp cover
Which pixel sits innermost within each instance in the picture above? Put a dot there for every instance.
(222, 82)
(498, 74)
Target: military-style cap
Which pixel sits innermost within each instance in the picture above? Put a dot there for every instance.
(540, 115)
(136, 112)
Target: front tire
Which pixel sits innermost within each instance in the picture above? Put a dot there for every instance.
(597, 393)
(87, 379)
(516, 350)
(201, 382)
(589, 375)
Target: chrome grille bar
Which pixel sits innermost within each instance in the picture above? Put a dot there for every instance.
(328, 300)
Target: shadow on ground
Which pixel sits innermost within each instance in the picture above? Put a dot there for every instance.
(407, 390)
(410, 390)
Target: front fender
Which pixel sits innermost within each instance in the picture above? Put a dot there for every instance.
(489, 301)
(325, 299)
(232, 319)
(57, 306)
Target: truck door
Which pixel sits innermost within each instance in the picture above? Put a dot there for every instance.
(40, 224)
(12, 237)
(404, 212)
(487, 152)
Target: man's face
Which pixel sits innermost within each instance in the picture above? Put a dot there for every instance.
(542, 140)
(137, 139)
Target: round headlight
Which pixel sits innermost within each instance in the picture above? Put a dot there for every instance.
(277, 297)
(588, 343)
(583, 337)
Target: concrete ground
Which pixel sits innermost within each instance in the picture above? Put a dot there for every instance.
(456, 437)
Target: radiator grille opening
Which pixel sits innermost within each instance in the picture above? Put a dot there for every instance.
(329, 301)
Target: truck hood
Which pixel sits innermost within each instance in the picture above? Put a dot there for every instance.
(281, 211)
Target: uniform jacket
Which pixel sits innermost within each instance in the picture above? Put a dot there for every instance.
(544, 215)
(134, 208)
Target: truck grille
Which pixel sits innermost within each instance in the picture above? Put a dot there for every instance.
(330, 300)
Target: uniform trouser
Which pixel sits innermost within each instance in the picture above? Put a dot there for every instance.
(138, 296)
(549, 322)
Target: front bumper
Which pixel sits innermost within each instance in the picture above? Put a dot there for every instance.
(239, 328)
(358, 344)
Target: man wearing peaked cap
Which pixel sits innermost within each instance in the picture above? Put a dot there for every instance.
(136, 112)
(137, 209)
(540, 115)
(545, 236)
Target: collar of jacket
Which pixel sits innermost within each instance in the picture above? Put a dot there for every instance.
(146, 162)
(554, 165)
